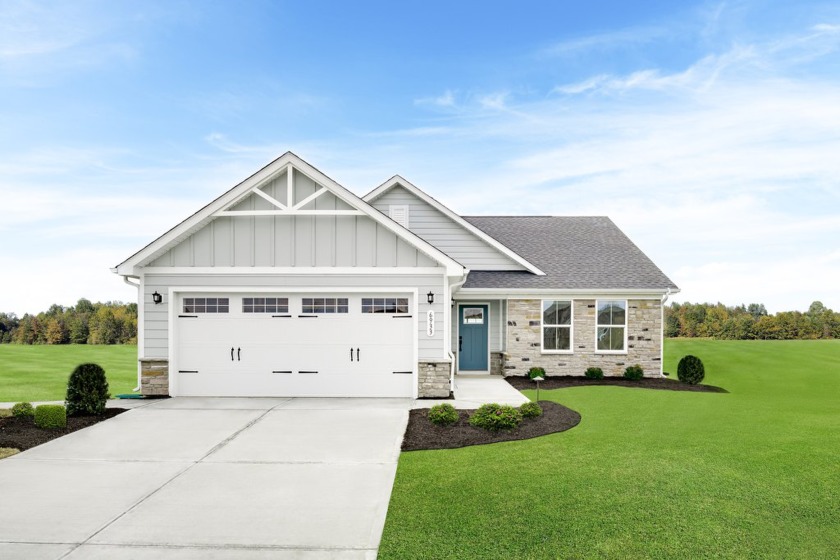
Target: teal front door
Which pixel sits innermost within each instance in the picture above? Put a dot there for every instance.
(472, 337)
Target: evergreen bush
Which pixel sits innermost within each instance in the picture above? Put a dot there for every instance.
(530, 410)
(87, 391)
(690, 370)
(634, 373)
(50, 416)
(23, 409)
(594, 373)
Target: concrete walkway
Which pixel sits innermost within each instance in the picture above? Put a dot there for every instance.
(471, 391)
(209, 478)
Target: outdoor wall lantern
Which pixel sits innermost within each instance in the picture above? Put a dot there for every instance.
(430, 297)
(157, 298)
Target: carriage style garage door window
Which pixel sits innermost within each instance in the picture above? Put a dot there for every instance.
(313, 345)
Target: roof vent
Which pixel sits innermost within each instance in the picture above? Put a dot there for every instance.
(399, 213)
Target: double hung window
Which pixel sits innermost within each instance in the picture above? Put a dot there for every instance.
(611, 326)
(556, 325)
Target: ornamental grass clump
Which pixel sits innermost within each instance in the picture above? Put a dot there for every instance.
(634, 373)
(50, 416)
(495, 417)
(23, 409)
(530, 410)
(594, 373)
(443, 414)
(87, 391)
(690, 370)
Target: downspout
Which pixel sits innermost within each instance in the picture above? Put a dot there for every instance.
(452, 289)
(139, 372)
(662, 332)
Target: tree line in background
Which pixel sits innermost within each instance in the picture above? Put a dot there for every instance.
(83, 323)
(748, 322)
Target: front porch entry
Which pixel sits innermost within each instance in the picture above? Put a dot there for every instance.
(473, 338)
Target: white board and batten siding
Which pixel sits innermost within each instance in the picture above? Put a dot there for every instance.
(433, 226)
(283, 241)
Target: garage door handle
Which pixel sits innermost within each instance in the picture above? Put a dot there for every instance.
(351, 354)
(231, 353)
(357, 354)
(238, 358)
(460, 343)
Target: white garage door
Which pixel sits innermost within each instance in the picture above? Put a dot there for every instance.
(307, 345)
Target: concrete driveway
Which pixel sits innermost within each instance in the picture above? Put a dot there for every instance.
(209, 478)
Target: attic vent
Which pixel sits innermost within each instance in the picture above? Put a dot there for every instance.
(399, 213)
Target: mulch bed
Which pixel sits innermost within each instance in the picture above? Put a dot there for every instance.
(564, 381)
(23, 434)
(422, 434)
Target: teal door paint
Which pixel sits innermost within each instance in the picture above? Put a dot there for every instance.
(472, 337)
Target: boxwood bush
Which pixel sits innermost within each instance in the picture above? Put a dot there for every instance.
(535, 372)
(87, 391)
(495, 417)
(443, 414)
(23, 409)
(634, 373)
(530, 410)
(594, 373)
(50, 416)
(690, 370)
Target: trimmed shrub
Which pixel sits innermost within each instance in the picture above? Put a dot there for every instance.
(530, 410)
(594, 373)
(690, 370)
(50, 416)
(23, 409)
(535, 372)
(87, 391)
(495, 417)
(634, 373)
(443, 414)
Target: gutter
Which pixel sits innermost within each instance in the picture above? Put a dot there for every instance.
(127, 281)
(452, 289)
(662, 332)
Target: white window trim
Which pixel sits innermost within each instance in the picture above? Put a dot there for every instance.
(571, 349)
(597, 326)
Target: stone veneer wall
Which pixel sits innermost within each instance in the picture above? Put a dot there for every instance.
(154, 377)
(433, 379)
(644, 324)
(497, 363)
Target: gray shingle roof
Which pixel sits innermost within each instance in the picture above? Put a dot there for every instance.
(576, 253)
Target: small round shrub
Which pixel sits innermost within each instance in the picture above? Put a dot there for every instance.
(634, 373)
(22, 409)
(690, 370)
(535, 372)
(443, 414)
(530, 410)
(594, 373)
(495, 417)
(87, 391)
(50, 416)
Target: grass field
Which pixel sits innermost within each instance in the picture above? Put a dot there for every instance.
(39, 373)
(648, 474)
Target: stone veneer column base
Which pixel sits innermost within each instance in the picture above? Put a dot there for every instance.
(433, 379)
(497, 363)
(154, 377)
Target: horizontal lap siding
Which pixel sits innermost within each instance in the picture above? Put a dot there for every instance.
(156, 335)
(439, 230)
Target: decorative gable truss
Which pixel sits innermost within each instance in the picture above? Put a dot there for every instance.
(288, 214)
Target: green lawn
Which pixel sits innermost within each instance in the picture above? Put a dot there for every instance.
(39, 373)
(648, 474)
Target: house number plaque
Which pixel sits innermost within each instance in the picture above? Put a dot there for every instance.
(430, 323)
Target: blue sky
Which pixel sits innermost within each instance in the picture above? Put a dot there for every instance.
(709, 132)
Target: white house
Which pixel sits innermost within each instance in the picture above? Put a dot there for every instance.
(290, 285)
